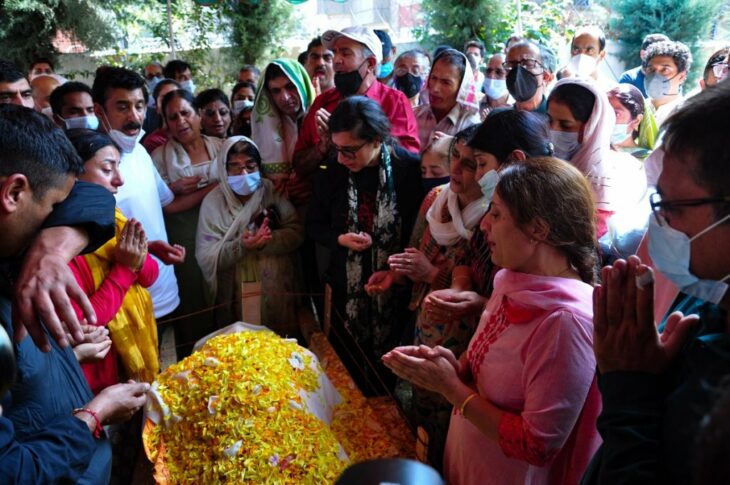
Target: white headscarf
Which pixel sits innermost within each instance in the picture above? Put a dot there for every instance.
(223, 217)
(592, 156)
(462, 221)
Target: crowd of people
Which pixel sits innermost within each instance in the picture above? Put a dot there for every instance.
(457, 205)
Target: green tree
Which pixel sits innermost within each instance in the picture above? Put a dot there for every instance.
(258, 27)
(688, 21)
(453, 22)
(28, 27)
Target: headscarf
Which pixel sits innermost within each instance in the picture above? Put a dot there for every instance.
(173, 162)
(375, 327)
(467, 96)
(276, 135)
(224, 222)
(461, 225)
(595, 150)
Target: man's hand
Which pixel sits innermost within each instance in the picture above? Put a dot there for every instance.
(168, 254)
(46, 286)
(322, 117)
(624, 332)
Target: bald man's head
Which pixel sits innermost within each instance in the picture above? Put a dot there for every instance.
(42, 87)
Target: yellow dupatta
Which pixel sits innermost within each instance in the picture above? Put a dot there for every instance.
(133, 330)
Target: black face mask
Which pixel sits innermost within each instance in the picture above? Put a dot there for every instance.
(429, 184)
(347, 83)
(409, 84)
(521, 84)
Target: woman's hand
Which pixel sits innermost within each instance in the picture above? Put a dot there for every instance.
(131, 249)
(430, 370)
(413, 264)
(167, 253)
(355, 241)
(379, 282)
(448, 304)
(185, 185)
(259, 239)
(119, 402)
(89, 352)
(624, 332)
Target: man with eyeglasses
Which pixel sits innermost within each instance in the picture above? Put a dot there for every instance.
(528, 76)
(411, 69)
(494, 88)
(657, 386)
(716, 69)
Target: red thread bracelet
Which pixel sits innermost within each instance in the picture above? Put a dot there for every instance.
(98, 428)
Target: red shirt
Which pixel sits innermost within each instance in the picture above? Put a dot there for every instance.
(106, 301)
(394, 103)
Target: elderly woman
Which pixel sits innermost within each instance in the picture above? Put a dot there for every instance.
(524, 393)
(186, 163)
(215, 112)
(249, 233)
(363, 209)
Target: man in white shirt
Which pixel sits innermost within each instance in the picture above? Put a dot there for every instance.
(120, 101)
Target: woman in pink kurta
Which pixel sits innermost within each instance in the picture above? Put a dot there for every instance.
(524, 394)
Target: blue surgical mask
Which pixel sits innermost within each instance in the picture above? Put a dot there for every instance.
(385, 70)
(670, 252)
(657, 86)
(488, 183)
(619, 133)
(565, 144)
(495, 88)
(152, 84)
(245, 184)
(188, 85)
(90, 122)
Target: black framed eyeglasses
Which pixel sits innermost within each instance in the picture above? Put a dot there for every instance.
(658, 205)
(349, 152)
(527, 63)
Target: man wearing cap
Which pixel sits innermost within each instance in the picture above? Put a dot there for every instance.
(385, 70)
(357, 53)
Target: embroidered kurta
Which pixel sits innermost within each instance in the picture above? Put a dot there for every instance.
(532, 357)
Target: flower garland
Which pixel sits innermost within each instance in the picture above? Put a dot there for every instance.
(235, 416)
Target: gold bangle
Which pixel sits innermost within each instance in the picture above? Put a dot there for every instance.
(466, 401)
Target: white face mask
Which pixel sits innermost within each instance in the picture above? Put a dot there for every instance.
(565, 144)
(245, 184)
(583, 65)
(240, 105)
(488, 183)
(670, 251)
(90, 122)
(495, 88)
(126, 142)
(619, 133)
(188, 85)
